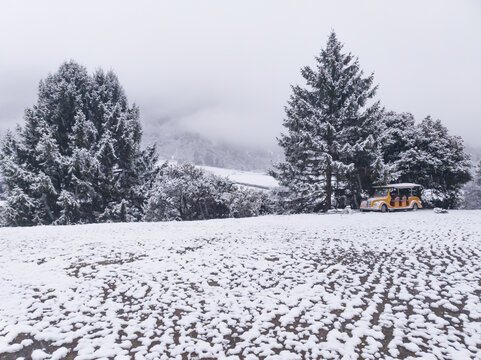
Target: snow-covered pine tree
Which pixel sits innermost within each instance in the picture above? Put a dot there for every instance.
(247, 203)
(83, 169)
(438, 161)
(331, 129)
(21, 207)
(78, 157)
(127, 168)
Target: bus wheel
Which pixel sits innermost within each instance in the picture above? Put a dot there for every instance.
(415, 207)
(383, 208)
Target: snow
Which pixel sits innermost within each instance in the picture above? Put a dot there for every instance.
(255, 179)
(372, 286)
(39, 355)
(247, 178)
(399, 185)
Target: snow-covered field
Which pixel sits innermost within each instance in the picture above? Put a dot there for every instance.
(358, 286)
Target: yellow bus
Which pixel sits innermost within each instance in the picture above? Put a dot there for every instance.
(391, 197)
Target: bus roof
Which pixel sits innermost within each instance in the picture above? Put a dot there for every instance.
(399, 186)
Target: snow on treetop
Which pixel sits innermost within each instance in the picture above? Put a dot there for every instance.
(399, 186)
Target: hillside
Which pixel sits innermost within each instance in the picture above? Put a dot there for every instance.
(371, 286)
(174, 143)
(254, 179)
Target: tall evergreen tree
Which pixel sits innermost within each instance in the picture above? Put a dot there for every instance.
(78, 158)
(330, 141)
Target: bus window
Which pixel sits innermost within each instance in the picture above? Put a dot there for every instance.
(380, 192)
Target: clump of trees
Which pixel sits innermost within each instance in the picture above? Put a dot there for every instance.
(185, 192)
(339, 142)
(78, 157)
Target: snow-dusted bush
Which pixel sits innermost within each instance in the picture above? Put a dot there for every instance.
(185, 192)
(77, 159)
(280, 202)
(246, 203)
(432, 198)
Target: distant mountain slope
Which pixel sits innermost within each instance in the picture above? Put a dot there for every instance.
(180, 145)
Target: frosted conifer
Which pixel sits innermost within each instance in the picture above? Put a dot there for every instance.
(78, 158)
(330, 144)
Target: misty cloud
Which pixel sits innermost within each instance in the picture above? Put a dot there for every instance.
(224, 69)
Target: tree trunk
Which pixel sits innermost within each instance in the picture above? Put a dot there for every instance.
(357, 197)
(327, 205)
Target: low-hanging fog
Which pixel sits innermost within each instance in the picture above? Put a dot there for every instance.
(224, 69)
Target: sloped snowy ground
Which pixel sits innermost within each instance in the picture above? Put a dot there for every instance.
(361, 286)
(254, 179)
(246, 178)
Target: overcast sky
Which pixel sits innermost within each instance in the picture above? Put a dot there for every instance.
(223, 68)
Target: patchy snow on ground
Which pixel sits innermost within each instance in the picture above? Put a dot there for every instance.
(370, 286)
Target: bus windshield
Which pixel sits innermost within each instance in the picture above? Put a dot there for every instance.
(380, 192)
